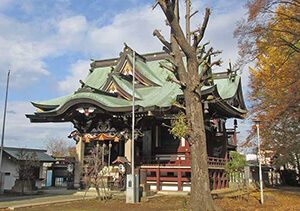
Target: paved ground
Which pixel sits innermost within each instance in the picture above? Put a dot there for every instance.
(43, 197)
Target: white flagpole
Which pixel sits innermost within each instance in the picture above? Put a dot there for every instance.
(133, 122)
(259, 163)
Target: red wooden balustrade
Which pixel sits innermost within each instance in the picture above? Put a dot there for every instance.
(178, 170)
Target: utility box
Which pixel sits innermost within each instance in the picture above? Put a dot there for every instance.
(132, 190)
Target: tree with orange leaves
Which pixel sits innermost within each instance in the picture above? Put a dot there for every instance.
(271, 37)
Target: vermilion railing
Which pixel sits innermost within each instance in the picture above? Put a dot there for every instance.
(180, 160)
(178, 169)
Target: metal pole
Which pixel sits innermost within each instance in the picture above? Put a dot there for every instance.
(133, 122)
(109, 153)
(4, 118)
(259, 163)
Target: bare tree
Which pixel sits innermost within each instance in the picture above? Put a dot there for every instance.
(197, 58)
(58, 148)
(94, 172)
(72, 151)
(27, 165)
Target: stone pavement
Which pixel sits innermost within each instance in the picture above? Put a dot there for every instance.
(45, 197)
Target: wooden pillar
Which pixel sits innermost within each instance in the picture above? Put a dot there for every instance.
(214, 181)
(128, 149)
(219, 180)
(143, 176)
(157, 179)
(223, 180)
(78, 163)
(179, 179)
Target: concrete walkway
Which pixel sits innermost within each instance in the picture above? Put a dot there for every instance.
(44, 197)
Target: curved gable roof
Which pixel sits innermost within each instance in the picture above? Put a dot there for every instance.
(160, 93)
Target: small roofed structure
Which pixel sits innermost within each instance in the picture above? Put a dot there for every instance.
(14, 157)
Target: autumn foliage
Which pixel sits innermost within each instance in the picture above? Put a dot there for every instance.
(271, 38)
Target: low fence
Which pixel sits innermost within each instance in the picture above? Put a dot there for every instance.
(175, 170)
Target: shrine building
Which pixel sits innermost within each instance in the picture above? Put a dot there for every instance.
(101, 112)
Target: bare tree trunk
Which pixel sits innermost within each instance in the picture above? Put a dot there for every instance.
(188, 77)
(200, 193)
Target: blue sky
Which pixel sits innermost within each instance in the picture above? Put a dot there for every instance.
(48, 46)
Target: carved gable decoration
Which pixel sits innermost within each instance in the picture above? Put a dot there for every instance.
(126, 69)
(112, 88)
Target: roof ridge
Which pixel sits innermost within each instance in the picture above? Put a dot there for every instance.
(149, 57)
(24, 148)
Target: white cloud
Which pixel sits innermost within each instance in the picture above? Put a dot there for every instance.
(19, 53)
(72, 25)
(78, 71)
(21, 133)
(135, 27)
(220, 34)
(25, 46)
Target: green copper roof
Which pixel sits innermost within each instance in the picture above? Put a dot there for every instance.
(227, 88)
(126, 86)
(143, 68)
(51, 104)
(161, 93)
(98, 77)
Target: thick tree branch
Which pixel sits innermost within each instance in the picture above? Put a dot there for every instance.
(174, 80)
(170, 68)
(178, 105)
(161, 38)
(167, 7)
(173, 68)
(202, 58)
(215, 63)
(198, 34)
(208, 66)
